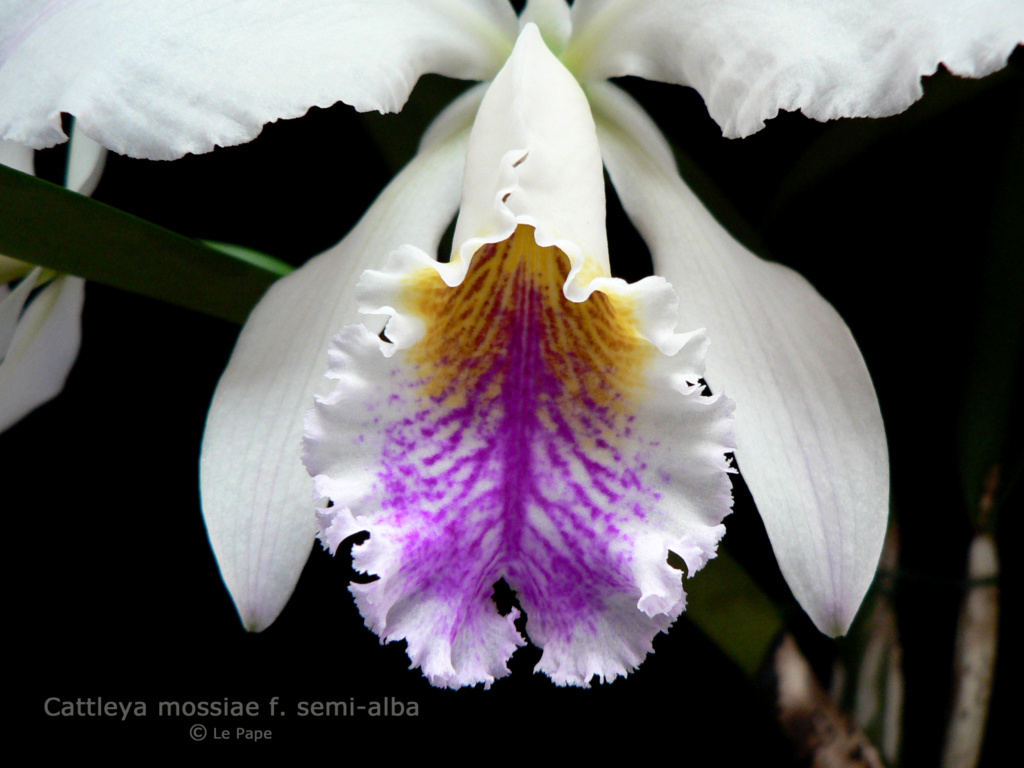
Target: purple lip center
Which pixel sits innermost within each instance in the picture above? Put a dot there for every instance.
(517, 460)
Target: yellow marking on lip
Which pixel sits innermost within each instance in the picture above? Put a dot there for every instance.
(592, 346)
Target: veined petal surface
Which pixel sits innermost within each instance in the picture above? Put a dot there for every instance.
(166, 77)
(811, 444)
(748, 59)
(511, 433)
(528, 417)
(255, 491)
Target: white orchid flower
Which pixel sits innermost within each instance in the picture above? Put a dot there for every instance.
(39, 344)
(154, 82)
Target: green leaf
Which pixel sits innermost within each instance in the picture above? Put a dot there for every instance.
(730, 608)
(42, 223)
(250, 256)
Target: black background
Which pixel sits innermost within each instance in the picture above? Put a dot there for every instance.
(116, 594)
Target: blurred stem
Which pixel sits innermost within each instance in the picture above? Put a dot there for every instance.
(824, 737)
(873, 655)
(974, 659)
(731, 609)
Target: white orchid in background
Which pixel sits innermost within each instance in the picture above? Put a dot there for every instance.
(39, 344)
(174, 77)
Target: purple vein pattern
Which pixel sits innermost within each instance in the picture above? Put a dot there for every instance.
(528, 438)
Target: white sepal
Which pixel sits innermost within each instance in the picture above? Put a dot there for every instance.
(256, 494)
(810, 440)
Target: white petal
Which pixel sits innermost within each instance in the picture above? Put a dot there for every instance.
(17, 156)
(748, 59)
(256, 493)
(533, 159)
(11, 305)
(166, 77)
(553, 19)
(43, 349)
(811, 444)
(86, 159)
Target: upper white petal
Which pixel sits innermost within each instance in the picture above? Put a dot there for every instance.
(255, 491)
(533, 159)
(749, 59)
(43, 349)
(811, 445)
(165, 77)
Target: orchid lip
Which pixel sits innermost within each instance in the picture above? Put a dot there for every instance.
(512, 434)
